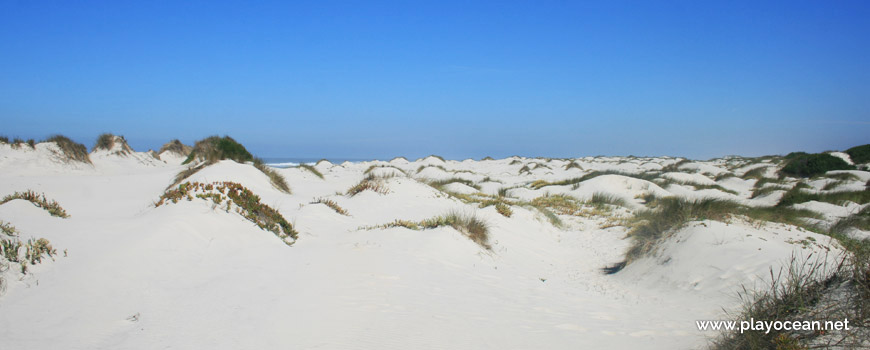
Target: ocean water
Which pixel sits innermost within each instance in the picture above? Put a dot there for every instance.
(288, 162)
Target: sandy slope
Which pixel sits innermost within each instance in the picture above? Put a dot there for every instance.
(191, 276)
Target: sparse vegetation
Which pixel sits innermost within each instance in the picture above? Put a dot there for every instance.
(52, 207)
(175, 146)
(439, 184)
(72, 151)
(333, 205)
(471, 226)
(430, 166)
(504, 209)
(377, 166)
(247, 204)
(312, 169)
(7, 229)
(370, 183)
(275, 178)
(808, 165)
(810, 290)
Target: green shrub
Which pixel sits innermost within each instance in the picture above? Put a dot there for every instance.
(808, 165)
(214, 148)
(859, 154)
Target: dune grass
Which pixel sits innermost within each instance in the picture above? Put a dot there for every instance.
(275, 178)
(573, 165)
(247, 204)
(469, 225)
(797, 195)
(504, 209)
(7, 229)
(440, 184)
(369, 183)
(39, 200)
(807, 290)
(175, 146)
(332, 205)
(378, 166)
(422, 167)
(72, 151)
(668, 214)
(311, 169)
(755, 173)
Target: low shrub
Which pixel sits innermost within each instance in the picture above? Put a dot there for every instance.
(52, 207)
(175, 146)
(808, 165)
(859, 154)
(215, 148)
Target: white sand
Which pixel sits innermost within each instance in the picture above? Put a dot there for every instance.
(188, 275)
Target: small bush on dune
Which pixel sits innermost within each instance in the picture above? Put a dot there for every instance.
(72, 151)
(275, 178)
(52, 207)
(471, 226)
(859, 154)
(4, 139)
(7, 229)
(312, 169)
(808, 165)
(175, 146)
(215, 148)
(105, 141)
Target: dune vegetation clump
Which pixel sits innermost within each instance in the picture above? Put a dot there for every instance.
(72, 151)
(275, 178)
(369, 183)
(175, 146)
(859, 154)
(215, 148)
(107, 142)
(332, 205)
(51, 206)
(471, 226)
(439, 184)
(311, 169)
(809, 165)
(231, 195)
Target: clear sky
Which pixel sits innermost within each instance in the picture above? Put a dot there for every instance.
(369, 79)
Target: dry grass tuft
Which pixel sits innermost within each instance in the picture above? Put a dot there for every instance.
(471, 226)
(369, 183)
(332, 204)
(275, 178)
(72, 151)
(312, 169)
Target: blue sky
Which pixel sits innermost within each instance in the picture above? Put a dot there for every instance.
(461, 79)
